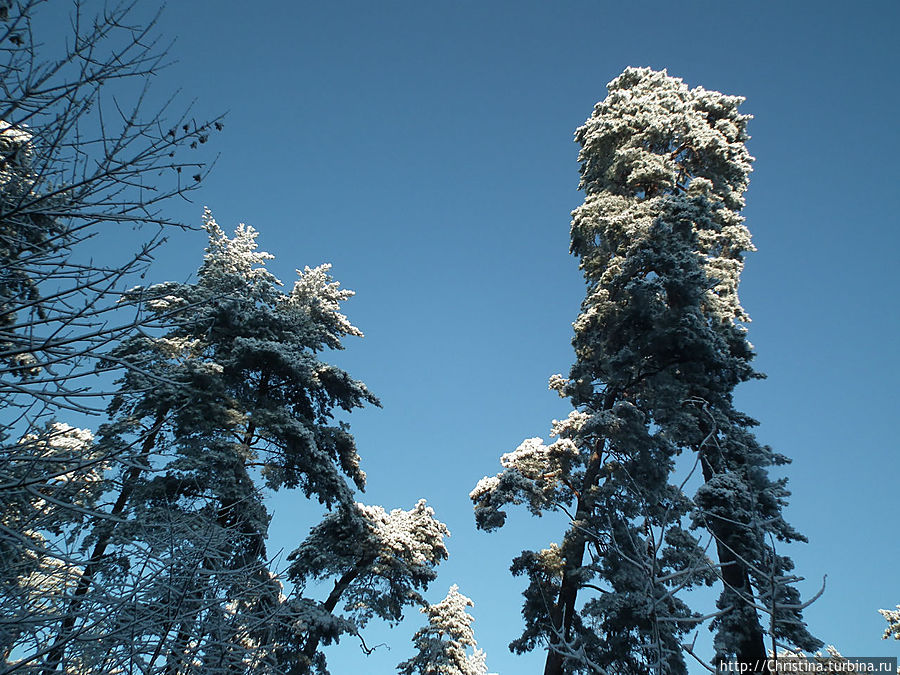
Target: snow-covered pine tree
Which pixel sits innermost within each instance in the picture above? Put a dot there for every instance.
(660, 345)
(443, 646)
(379, 560)
(232, 393)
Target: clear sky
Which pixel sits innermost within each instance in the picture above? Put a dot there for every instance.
(425, 149)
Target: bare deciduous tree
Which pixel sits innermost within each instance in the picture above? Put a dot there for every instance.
(83, 153)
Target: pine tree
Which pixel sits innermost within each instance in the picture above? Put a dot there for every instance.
(660, 345)
(230, 395)
(443, 645)
(380, 562)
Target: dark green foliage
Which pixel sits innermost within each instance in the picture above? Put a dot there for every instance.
(660, 346)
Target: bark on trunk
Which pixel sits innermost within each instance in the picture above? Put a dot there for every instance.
(751, 655)
(341, 585)
(563, 611)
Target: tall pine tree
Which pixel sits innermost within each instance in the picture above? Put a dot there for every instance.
(230, 394)
(660, 345)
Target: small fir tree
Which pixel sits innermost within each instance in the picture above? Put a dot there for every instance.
(443, 646)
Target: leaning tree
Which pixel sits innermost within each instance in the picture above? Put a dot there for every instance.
(663, 482)
(229, 396)
(380, 562)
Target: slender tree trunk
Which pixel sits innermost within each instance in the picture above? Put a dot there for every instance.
(224, 514)
(752, 650)
(563, 611)
(257, 549)
(341, 585)
(56, 652)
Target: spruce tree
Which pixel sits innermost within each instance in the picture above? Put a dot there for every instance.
(660, 345)
(443, 645)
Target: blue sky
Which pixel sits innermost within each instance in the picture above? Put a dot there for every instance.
(425, 149)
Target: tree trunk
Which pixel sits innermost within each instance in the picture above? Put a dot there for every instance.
(341, 585)
(563, 611)
(752, 651)
(561, 614)
(57, 650)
